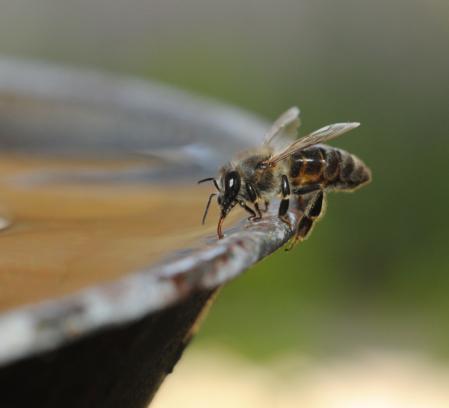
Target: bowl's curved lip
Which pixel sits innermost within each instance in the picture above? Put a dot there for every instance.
(45, 326)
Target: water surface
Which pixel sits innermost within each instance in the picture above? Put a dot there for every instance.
(78, 222)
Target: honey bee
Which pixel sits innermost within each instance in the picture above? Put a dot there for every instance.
(303, 170)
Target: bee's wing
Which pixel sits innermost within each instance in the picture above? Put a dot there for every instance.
(287, 124)
(319, 136)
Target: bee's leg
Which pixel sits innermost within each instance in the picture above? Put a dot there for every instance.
(313, 211)
(249, 210)
(253, 197)
(267, 204)
(259, 213)
(285, 202)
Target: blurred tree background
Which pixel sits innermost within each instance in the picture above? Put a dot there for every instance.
(375, 271)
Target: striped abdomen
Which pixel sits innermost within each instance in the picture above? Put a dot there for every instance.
(329, 167)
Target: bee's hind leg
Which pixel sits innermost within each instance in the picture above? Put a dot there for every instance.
(313, 210)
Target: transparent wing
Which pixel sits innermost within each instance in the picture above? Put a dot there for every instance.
(288, 123)
(319, 136)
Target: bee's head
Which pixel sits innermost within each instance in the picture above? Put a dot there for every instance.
(230, 188)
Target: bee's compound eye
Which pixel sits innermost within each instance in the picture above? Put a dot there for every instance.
(232, 183)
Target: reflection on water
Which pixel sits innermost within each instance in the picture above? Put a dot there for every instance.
(4, 223)
(374, 379)
(66, 235)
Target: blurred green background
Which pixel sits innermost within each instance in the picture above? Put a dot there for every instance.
(375, 270)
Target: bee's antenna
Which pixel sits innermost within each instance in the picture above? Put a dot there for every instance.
(210, 179)
(206, 179)
(207, 208)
